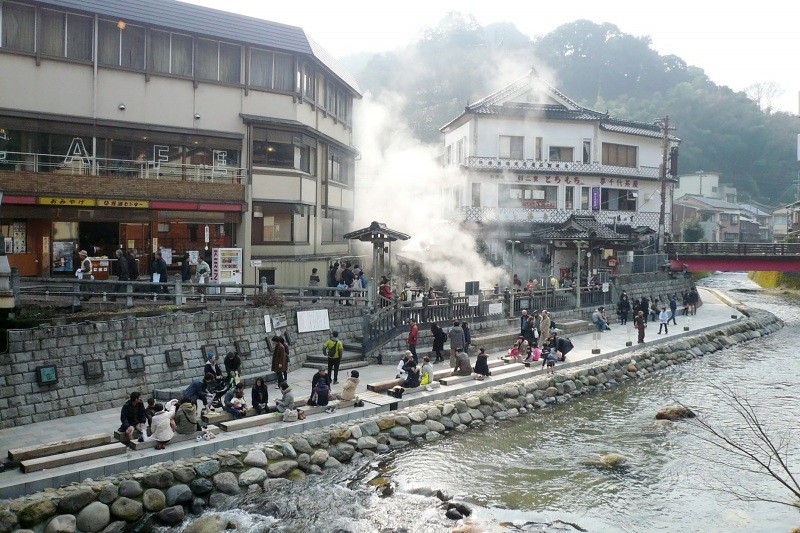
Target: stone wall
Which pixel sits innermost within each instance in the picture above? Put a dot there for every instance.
(655, 284)
(171, 491)
(113, 341)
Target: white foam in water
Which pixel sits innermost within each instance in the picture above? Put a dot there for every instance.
(245, 522)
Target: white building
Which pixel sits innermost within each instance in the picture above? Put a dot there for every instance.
(532, 157)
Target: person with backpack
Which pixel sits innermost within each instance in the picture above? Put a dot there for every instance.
(333, 349)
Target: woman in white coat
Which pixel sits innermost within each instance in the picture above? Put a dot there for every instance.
(163, 424)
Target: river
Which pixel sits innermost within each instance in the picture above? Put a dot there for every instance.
(531, 474)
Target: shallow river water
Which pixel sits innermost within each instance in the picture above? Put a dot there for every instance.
(531, 474)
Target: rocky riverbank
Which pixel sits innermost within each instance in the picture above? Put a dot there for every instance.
(167, 493)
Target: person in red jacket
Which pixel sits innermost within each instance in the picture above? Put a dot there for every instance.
(413, 336)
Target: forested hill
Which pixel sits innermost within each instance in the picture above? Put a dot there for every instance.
(604, 69)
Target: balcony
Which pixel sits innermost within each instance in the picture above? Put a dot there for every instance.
(118, 168)
(559, 167)
(490, 215)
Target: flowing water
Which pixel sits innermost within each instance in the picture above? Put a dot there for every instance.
(535, 473)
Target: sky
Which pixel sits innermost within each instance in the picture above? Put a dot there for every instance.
(736, 43)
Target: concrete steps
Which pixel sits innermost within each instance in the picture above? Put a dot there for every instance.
(53, 448)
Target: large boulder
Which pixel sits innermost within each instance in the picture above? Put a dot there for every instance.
(94, 517)
(159, 479)
(75, 500)
(609, 461)
(64, 523)
(36, 512)
(154, 500)
(127, 509)
(256, 458)
(212, 523)
(178, 495)
(171, 516)
(281, 468)
(674, 412)
(130, 488)
(201, 486)
(252, 476)
(227, 483)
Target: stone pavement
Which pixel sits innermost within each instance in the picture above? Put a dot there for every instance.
(715, 311)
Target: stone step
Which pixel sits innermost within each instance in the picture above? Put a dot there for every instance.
(73, 457)
(251, 422)
(355, 347)
(53, 448)
(423, 388)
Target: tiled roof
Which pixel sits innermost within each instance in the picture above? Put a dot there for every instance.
(174, 15)
(710, 202)
(377, 232)
(580, 227)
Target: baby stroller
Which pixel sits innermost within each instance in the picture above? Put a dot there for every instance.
(217, 392)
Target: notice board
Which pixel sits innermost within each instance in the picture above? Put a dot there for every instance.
(316, 320)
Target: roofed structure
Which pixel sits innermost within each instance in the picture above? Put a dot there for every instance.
(581, 227)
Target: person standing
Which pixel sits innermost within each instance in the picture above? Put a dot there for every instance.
(413, 337)
(624, 307)
(640, 323)
(133, 265)
(122, 274)
(694, 299)
(467, 337)
(313, 281)
(233, 363)
(456, 335)
(279, 360)
(186, 268)
(673, 308)
(439, 336)
(663, 321)
(544, 332)
(333, 349)
(523, 322)
(644, 306)
(159, 268)
(85, 273)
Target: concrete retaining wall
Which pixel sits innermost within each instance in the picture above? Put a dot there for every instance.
(169, 492)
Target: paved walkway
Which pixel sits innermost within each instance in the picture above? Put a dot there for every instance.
(714, 312)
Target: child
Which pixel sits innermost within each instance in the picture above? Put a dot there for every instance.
(238, 406)
(552, 356)
(537, 353)
(663, 320)
(513, 352)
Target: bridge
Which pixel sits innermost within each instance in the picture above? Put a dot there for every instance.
(734, 256)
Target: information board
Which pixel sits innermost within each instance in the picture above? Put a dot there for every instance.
(279, 321)
(267, 324)
(316, 320)
(496, 309)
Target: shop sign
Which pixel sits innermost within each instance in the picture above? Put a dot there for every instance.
(77, 151)
(595, 198)
(135, 204)
(66, 201)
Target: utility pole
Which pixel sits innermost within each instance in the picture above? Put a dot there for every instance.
(665, 145)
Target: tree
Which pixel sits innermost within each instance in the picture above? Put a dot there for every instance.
(692, 230)
(751, 446)
(764, 94)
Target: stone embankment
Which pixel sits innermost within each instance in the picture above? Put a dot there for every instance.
(168, 492)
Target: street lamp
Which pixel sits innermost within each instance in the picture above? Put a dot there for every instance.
(512, 256)
(578, 244)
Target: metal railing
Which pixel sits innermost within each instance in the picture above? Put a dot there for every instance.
(685, 249)
(121, 168)
(81, 293)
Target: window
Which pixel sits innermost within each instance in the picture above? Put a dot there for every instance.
(284, 149)
(335, 223)
(207, 61)
(511, 147)
(586, 195)
(52, 30)
(619, 155)
(617, 200)
(280, 223)
(538, 148)
(528, 196)
(230, 63)
(330, 96)
(172, 53)
(117, 47)
(309, 85)
(284, 69)
(734, 219)
(341, 166)
(560, 153)
(460, 151)
(80, 33)
(476, 195)
(731, 237)
(261, 63)
(18, 27)
(569, 197)
(587, 151)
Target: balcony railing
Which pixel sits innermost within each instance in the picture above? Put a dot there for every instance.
(560, 167)
(554, 216)
(120, 168)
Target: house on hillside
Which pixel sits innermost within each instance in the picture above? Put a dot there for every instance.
(723, 221)
(158, 124)
(530, 158)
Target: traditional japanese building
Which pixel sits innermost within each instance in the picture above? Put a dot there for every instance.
(530, 157)
(160, 125)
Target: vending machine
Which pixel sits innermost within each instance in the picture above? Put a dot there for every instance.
(226, 268)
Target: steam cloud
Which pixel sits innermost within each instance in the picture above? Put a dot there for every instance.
(399, 182)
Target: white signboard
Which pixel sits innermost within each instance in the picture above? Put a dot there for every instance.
(496, 309)
(605, 287)
(267, 324)
(279, 321)
(316, 320)
(194, 257)
(473, 300)
(166, 255)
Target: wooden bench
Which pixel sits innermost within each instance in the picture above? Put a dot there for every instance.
(178, 437)
(73, 457)
(383, 386)
(512, 367)
(62, 446)
(422, 388)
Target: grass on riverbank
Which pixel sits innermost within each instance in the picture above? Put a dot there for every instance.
(776, 280)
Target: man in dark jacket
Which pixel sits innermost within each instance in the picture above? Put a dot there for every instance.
(186, 268)
(159, 267)
(199, 389)
(122, 272)
(133, 416)
(133, 265)
(673, 307)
